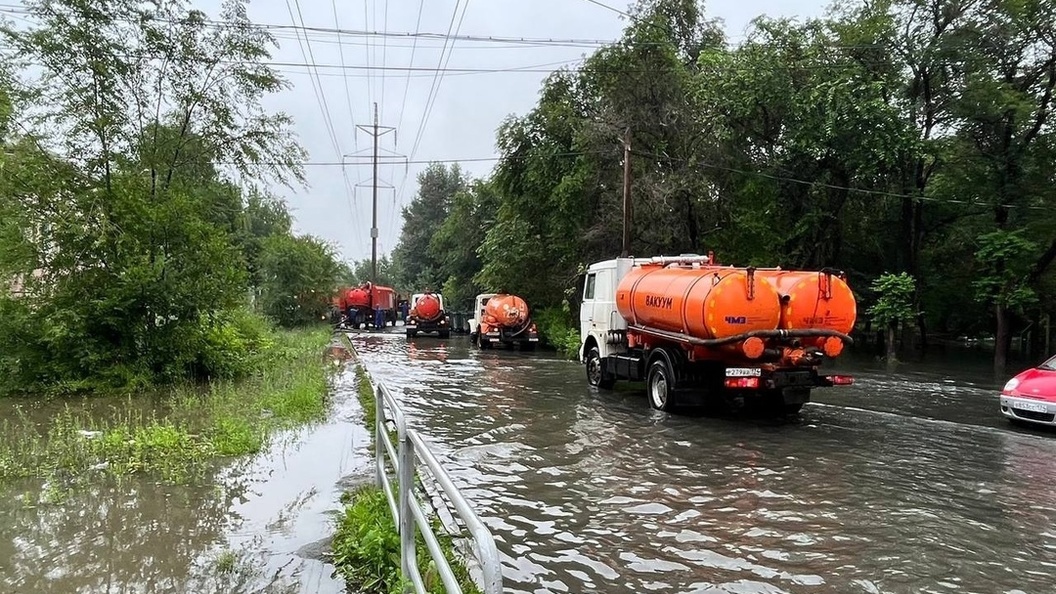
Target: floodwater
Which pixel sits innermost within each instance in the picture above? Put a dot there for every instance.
(258, 525)
(908, 481)
(905, 482)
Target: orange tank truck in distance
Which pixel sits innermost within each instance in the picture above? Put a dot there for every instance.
(502, 318)
(699, 333)
(427, 315)
(358, 304)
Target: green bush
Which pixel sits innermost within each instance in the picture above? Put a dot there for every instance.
(366, 546)
(366, 549)
(559, 329)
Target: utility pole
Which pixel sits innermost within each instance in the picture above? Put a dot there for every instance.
(376, 132)
(626, 194)
(374, 208)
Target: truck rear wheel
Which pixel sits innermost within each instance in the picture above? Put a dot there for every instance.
(595, 372)
(660, 384)
(445, 334)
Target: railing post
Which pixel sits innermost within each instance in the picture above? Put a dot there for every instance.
(379, 434)
(406, 519)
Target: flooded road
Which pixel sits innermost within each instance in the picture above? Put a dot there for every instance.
(259, 525)
(904, 482)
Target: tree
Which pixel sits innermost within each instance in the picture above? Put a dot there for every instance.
(299, 276)
(415, 265)
(361, 270)
(129, 249)
(1003, 108)
(458, 242)
(263, 216)
(894, 305)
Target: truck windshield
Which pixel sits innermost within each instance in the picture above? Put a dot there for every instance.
(1049, 365)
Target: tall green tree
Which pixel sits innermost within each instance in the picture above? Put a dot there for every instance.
(415, 265)
(299, 276)
(1003, 110)
(129, 227)
(458, 241)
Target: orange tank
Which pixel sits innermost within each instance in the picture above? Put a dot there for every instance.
(357, 298)
(427, 308)
(812, 299)
(508, 311)
(705, 302)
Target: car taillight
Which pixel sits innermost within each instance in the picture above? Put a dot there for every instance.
(841, 380)
(742, 382)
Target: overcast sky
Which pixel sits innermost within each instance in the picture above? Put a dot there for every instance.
(468, 106)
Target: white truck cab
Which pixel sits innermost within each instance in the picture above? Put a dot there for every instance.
(600, 323)
(478, 313)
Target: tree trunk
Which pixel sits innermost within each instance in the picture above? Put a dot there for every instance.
(922, 325)
(1002, 339)
(891, 345)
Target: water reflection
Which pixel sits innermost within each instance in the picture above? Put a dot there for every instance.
(257, 525)
(889, 487)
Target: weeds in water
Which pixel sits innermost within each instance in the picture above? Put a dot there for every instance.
(366, 549)
(191, 427)
(225, 562)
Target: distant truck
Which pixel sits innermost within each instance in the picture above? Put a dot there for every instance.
(501, 318)
(702, 334)
(427, 314)
(359, 303)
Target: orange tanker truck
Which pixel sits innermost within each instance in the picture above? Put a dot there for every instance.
(699, 333)
(427, 315)
(501, 318)
(359, 304)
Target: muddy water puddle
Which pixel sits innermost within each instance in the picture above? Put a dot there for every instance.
(906, 482)
(255, 525)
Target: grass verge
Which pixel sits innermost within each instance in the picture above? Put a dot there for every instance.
(187, 426)
(366, 546)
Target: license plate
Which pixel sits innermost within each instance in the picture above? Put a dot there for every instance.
(743, 372)
(1031, 406)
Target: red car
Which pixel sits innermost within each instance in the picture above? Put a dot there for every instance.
(1031, 395)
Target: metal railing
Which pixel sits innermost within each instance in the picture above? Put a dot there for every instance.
(407, 507)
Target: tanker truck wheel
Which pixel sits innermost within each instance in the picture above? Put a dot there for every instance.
(595, 373)
(660, 384)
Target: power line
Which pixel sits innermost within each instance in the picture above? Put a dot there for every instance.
(344, 74)
(403, 107)
(321, 95)
(867, 191)
(366, 51)
(434, 87)
(437, 76)
(857, 190)
(317, 86)
(370, 34)
(607, 7)
(414, 46)
(384, 47)
(349, 189)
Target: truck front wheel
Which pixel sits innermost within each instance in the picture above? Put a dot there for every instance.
(595, 373)
(660, 384)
